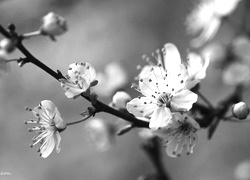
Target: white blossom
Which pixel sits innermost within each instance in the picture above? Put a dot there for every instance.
(206, 19)
(180, 135)
(53, 25)
(164, 90)
(79, 79)
(50, 124)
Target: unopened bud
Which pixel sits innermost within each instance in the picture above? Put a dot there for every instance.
(120, 99)
(53, 25)
(240, 110)
(8, 45)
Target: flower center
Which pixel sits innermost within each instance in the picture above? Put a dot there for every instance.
(164, 99)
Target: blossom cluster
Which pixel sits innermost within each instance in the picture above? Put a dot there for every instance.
(167, 97)
(167, 86)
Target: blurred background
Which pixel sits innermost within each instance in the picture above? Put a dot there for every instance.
(103, 32)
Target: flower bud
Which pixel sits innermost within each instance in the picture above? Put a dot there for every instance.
(120, 99)
(240, 110)
(8, 45)
(53, 25)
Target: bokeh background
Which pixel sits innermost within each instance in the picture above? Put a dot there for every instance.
(101, 32)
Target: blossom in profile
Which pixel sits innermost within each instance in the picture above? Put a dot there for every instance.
(206, 19)
(49, 125)
(101, 133)
(196, 68)
(79, 79)
(53, 25)
(164, 90)
(180, 135)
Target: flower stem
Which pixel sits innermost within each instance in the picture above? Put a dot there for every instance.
(153, 150)
(31, 34)
(12, 60)
(100, 107)
(79, 121)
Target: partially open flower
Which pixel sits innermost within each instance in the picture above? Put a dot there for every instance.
(179, 135)
(53, 25)
(240, 110)
(50, 124)
(79, 79)
(120, 99)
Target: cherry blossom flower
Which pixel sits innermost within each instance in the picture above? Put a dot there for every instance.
(164, 93)
(53, 25)
(80, 77)
(50, 124)
(180, 135)
(206, 19)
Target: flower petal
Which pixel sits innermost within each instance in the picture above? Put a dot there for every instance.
(172, 59)
(83, 69)
(160, 118)
(48, 146)
(59, 122)
(151, 86)
(142, 106)
(58, 138)
(208, 32)
(183, 100)
(71, 89)
(49, 108)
